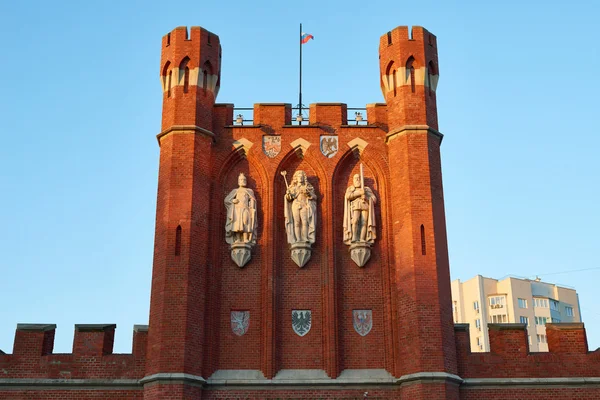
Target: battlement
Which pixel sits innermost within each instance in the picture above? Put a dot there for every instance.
(405, 34)
(324, 115)
(92, 356)
(195, 35)
(509, 354)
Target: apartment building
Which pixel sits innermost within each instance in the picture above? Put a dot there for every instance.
(482, 300)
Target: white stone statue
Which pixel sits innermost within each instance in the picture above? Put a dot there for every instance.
(359, 219)
(240, 224)
(300, 216)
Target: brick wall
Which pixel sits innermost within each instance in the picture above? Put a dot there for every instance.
(196, 285)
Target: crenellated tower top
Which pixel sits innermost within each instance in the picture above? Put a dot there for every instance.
(190, 71)
(409, 74)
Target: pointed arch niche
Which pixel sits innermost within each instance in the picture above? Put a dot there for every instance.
(298, 288)
(358, 288)
(234, 288)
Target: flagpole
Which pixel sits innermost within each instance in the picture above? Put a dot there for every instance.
(300, 92)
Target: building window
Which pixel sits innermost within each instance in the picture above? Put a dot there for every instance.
(455, 311)
(479, 344)
(423, 246)
(478, 324)
(554, 305)
(541, 303)
(540, 320)
(178, 241)
(498, 319)
(410, 73)
(497, 301)
(542, 339)
(476, 306)
(555, 321)
(525, 320)
(569, 311)
(522, 303)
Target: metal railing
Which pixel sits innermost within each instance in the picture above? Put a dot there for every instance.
(300, 116)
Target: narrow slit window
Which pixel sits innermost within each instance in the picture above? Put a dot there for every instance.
(394, 82)
(423, 244)
(389, 37)
(169, 83)
(429, 80)
(410, 72)
(205, 81)
(178, 241)
(186, 80)
(168, 39)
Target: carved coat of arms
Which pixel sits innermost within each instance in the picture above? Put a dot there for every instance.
(271, 145)
(329, 146)
(240, 320)
(363, 321)
(301, 321)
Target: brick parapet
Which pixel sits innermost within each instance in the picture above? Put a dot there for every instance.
(92, 356)
(510, 356)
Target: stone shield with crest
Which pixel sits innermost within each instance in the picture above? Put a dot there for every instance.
(271, 145)
(240, 320)
(363, 321)
(329, 145)
(301, 321)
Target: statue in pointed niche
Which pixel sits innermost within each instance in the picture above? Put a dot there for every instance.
(300, 214)
(359, 219)
(240, 224)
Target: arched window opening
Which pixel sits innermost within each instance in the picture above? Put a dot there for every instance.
(178, 241)
(423, 244)
(390, 75)
(184, 74)
(165, 76)
(206, 71)
(169, 83)
(410, 72)
(430, 73)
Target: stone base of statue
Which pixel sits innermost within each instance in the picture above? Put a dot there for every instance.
(301, 253)
(240, 253)
(360, 252)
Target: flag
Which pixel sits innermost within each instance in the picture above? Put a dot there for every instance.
(305, 37)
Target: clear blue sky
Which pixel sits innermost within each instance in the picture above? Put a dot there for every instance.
(81, 105)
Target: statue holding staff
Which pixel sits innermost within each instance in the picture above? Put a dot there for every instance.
(300, 210)
(359, 212)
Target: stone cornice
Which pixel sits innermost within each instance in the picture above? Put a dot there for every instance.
(69, 384)
(411, 128)
(36, 327)
(294, 379)
(185, 129)
(167, 378)
(473, 383)
(429, 377)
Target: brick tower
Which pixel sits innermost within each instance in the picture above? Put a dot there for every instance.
(409, 75)
(190, 69)
(360, 318)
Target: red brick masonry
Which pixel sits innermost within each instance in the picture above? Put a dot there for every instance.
(413, 350)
